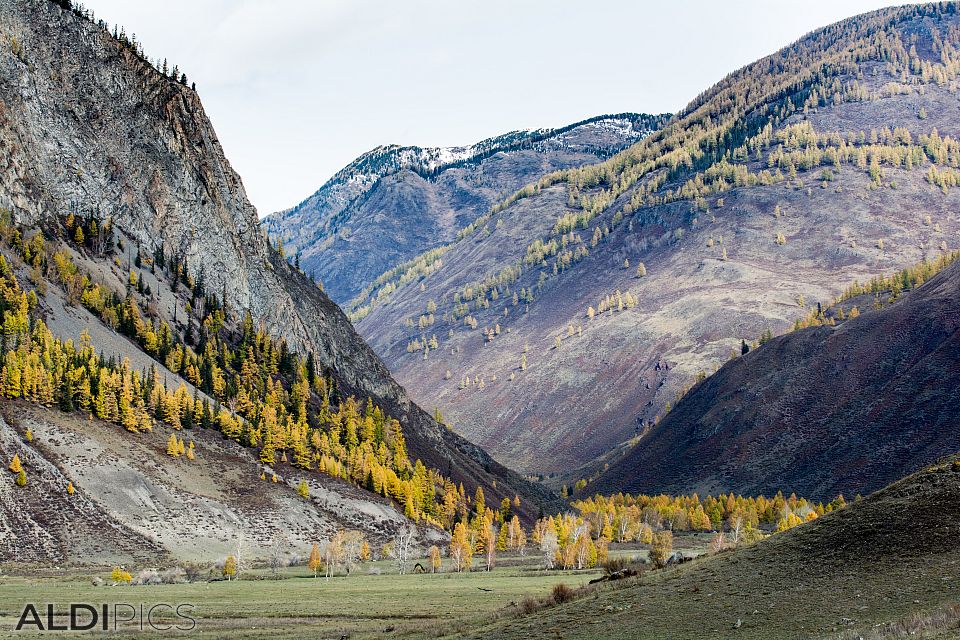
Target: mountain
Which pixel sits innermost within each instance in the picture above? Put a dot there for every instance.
(832, 160)
(394, 202)
(125, 222)
(880, 568)
(870, 399)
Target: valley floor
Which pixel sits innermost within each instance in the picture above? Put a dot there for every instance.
(297, 605)
(700, 599)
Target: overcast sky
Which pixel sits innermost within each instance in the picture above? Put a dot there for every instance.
(298, 88)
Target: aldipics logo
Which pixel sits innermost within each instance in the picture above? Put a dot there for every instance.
(107, 617)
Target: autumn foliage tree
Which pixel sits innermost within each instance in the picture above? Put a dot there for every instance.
(461, 550)
(435, 559)
(661, 548)
(315, 562)
(230, 567)
(303, 490)
(119, 575)
(248, 385)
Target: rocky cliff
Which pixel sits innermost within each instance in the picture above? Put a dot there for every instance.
(88, 126)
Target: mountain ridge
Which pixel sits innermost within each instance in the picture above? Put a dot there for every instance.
(441, 188)
(827, 161)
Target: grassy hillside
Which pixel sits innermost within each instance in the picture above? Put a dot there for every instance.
(829, 161)
(880, 560)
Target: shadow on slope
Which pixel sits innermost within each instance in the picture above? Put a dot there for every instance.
(819, 411)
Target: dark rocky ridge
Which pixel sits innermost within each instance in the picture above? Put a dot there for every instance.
(819, 411)
(85, 125)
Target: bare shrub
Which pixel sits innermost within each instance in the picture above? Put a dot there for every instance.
(614, 565)
(529, 605)
(562, 593)
(194, 571)
(147, 576)
(173, 575)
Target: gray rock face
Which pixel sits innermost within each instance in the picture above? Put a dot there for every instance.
(87, 126)
(393, 203)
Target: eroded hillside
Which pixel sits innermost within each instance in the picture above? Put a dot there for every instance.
(132, 503)
(844, 407)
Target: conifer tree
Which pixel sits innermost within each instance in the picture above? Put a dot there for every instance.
(173, 446)
(15, 465)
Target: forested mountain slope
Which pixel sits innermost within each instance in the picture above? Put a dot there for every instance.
(844, 407)
(570, 317)
(395, 202)
(122, 217)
